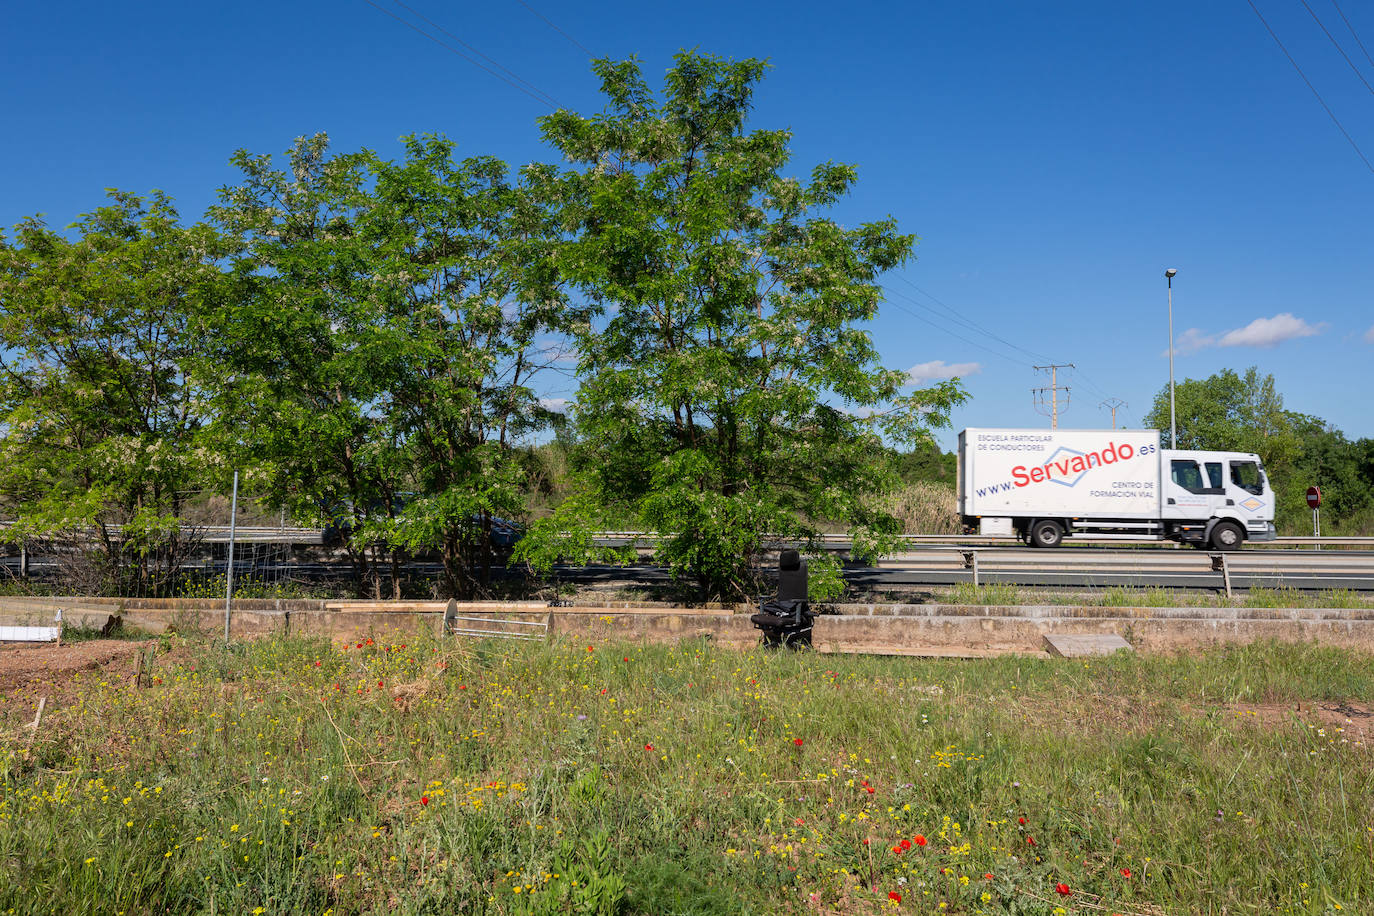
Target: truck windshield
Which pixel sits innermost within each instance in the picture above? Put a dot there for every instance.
(1247, 476)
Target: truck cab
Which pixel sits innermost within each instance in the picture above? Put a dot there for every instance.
(1216, 499)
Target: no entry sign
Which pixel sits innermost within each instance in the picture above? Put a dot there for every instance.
(1314, 497)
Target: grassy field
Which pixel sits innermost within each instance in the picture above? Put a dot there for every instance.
(290, 776)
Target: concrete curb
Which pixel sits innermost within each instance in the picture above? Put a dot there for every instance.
(900, 629)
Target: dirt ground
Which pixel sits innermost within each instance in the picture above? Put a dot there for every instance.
(1341, 722)
(26, 668)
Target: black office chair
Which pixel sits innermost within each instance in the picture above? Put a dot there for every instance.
(786, 620)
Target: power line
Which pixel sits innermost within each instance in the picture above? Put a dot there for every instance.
(542, 98)
(512, 74)
(1337, 46)
(536, 12)
(971, 343)
(969, 323)
(974, 326)
(1320, 100)
(1352, 33)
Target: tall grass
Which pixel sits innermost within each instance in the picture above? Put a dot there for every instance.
(288, 776)
(925, 508)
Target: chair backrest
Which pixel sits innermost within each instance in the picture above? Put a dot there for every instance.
(792, 576)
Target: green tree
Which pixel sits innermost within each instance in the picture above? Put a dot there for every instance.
(297, 352)
(377, 364)
(460, 257)
(1335, 464)
(102, 426)
(729, 395)
(1231, 412)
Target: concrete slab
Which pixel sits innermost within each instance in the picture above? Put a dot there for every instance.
(1074, 645)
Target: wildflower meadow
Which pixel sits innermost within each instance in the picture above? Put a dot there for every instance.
(419, 776)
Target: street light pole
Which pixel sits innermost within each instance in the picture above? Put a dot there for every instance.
(1173, 427)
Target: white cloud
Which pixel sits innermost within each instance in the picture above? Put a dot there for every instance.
(1262, 332)
(1192, 340)
(1369, 335)
(1266, 332)
(937, 369)
(557, 405)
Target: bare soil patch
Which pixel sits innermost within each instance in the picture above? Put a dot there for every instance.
(1353, 722)
(26, 668)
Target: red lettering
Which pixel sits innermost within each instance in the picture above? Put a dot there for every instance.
(1062, 467)
(1125, 451)
(1018, 474)
(1038, 474)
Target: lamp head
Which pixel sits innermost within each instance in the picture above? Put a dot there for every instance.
(1170, 273)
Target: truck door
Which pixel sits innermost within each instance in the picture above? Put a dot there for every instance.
(1185, 491)
(1219, 500)
(1245, 487)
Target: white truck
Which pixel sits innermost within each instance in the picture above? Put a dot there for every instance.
(1043, 485)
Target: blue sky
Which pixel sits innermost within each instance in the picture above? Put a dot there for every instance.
(1054, 158)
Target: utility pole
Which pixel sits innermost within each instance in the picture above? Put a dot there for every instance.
(1113, 404)
(1053, 397)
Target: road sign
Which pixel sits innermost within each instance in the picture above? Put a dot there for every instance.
(1314, 497)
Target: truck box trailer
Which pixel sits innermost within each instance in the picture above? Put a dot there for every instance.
(1045, 485)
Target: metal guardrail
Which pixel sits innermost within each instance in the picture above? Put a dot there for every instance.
(456, 624)
(453, 626)
(843, 542)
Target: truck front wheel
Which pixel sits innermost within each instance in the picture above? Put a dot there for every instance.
(1046, 533)
(1227, 536)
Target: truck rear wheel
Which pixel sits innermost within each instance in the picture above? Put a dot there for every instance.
(1227, 536)
(1046, 533)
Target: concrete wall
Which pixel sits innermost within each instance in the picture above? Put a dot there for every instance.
(923, 629)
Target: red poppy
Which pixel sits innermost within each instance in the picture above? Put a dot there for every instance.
(379, 683)
(1030, 840)
(869, 789)
(919, 840)
(1062, 889)
(897, 850)
(797, 742)
(865, 841)
(317, 664)
(369, 641)
(462, 686)
(1021, 821)
(988, 876)
(1125, 872)
(893, 895)
(625, 659)
(905, 844)
(424, 799)
(648, 747)
(589, 648)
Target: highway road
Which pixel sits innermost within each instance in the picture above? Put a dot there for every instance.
(935, 564)
(1082, 567)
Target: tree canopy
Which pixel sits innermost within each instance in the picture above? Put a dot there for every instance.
(729, 396)
(1228, 411)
